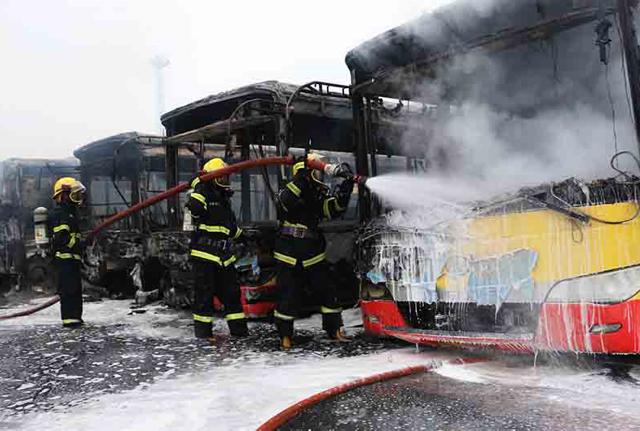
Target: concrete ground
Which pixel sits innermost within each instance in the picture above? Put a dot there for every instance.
(141, 369)
(434, 402)
(45, 368)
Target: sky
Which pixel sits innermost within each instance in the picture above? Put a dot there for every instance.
(76, 71)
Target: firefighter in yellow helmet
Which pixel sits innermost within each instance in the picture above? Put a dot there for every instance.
(300, 246)
(211, 255)
(68, 194)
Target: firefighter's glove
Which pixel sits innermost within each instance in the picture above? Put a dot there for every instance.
(343, 170)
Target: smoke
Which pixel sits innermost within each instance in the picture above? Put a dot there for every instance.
(532, 114)
(509, 151)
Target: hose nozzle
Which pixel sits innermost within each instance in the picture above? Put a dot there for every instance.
(360, 180)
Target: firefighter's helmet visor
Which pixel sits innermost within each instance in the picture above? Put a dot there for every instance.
(223, 182)
(77, 192)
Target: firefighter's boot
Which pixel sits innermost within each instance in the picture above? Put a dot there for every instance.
(72, 323)
(332, 324)
(238, 327)
(202, 329)
(285, 331)
(339, 336)
(286, 343)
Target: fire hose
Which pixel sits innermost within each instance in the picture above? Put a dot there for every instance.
(231, 169)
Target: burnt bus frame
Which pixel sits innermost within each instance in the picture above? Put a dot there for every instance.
(244, 123)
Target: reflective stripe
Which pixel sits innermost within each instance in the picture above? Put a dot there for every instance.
(297, 167)
(297, 225)
(201, 318)
(282, 316)
(67, 321)
(309, 262)
(61, 255)
(294, 189)
(325, 207)
(61, 227)
(238, 233)
(214, 229)
(200, 198)
(284, 258)
(195, 182)
(338, 207)
(327, 310)
(235, 316)
(213, 257)
(73, 240)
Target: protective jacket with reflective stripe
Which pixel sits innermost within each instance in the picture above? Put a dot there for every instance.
(302, 204)
(214, 224)
(64, 228)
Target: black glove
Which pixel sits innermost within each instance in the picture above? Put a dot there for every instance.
(346, 187)
(343, 170)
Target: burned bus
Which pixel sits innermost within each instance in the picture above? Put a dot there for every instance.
(261, 120)
(120, 171)
(275, 119)
(530, 85)
(26, 184)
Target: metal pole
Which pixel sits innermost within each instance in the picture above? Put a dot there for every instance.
(171, 174)
(159, 63)
(361, 153)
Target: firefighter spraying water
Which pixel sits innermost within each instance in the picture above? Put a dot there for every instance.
(300, 247)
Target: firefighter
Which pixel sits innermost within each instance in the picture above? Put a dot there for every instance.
(69, 194)
(300, 247)
(211, 255)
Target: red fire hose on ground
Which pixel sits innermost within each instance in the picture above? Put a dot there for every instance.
(231, 169)
(292, 411)
(286, 415)
(32, 310)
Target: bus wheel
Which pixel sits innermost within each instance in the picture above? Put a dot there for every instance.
(40, 275)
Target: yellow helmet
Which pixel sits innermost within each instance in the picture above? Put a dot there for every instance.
(74, 187)
(317, 175)
(213, 165)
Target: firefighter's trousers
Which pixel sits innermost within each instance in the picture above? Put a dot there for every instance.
(212, 280)
(70, 291)
(292, 281)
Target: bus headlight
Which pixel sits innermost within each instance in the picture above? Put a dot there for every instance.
(605, 287)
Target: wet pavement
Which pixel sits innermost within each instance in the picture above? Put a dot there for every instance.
(45, 367)
(432, 401)
(128, 368)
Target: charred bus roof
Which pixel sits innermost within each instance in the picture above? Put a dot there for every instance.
(122, 155)
(104, 148)
(319, 112)
(220, 106)
(322, 111)
(394, 63)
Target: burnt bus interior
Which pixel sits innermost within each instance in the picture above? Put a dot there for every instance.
(120, 171)
(26, 184)
(522, 57)
(124, 169)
